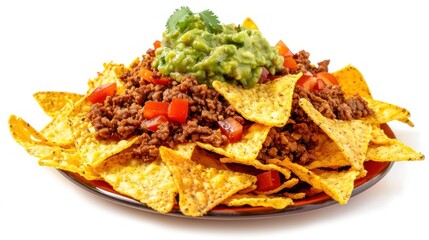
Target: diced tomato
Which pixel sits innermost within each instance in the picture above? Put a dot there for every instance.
(287, 54)
(283, 49)
(161, 81)
(147, 75)
(152, 124)
(317, 82)
(320, 85)
(178, 110)
(156, 44)
(154, 109)
(268, 180)
(307, 81)
(290, 63)
(231, 128)
(102, 92)
(327, 78)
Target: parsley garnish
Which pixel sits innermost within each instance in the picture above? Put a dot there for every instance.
(180, 19)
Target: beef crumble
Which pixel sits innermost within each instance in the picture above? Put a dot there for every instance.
(298, 138)
(120, 116)
(304, 64)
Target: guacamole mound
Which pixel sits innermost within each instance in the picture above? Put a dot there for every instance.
(236, 54)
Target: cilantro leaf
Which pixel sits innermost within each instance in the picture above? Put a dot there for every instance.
(211, 22)
(178, 19)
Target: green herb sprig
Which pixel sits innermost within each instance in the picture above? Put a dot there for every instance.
(180, 19)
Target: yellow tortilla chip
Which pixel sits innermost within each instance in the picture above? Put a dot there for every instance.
(295, 196)
(258, 165)
(68, 160)
(386, 112)
(24, 133)
(238, 200)
(52, 102)
(392, 151)
(49, 155)
(379, 137)
(149, 182)
(185, 149)
(352, 82)
(352, 137)
(269, 104)
(338, 185)
(58, 130)
(328, 155)
(207, 159)
(201, 188)
(92, 150)
(249, 24)
(382, 148)
(112, 73)
(247, 148)
(287, 184)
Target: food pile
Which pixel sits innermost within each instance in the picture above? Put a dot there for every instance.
(213, 115)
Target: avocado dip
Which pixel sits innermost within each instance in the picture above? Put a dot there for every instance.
(234, 54)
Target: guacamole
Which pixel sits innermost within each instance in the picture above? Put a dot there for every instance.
(235, 54)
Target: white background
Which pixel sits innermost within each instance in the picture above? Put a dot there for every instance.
(56, 45)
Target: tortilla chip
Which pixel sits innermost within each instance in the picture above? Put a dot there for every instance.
(247, 148)
(328, 155)
(52, 102)
(149, 182)
(35, 144)
(258, 201)
(352, 82)
(379, 137)
(338, 185)
(258, 165)
(392, 151)
(112, 73)
(295, 196)
(92, 150)
(185, 149)
(287, 184)
(58, 130)
(352, 137)
(69, 160)
(269, 104)
(24, 133)
(201, 188)
(386, 112)
(207, 159)
(249, 24)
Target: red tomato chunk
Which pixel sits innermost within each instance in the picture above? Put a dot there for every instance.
(154, 109)
(102, 92)
(268, 180)
(152, 124)
(231, 128)
(178, 110)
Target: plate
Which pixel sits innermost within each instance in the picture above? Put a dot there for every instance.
(376, 171)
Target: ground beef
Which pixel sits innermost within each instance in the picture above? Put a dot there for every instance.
(298, 138)
(304, 64)
(120, 116)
